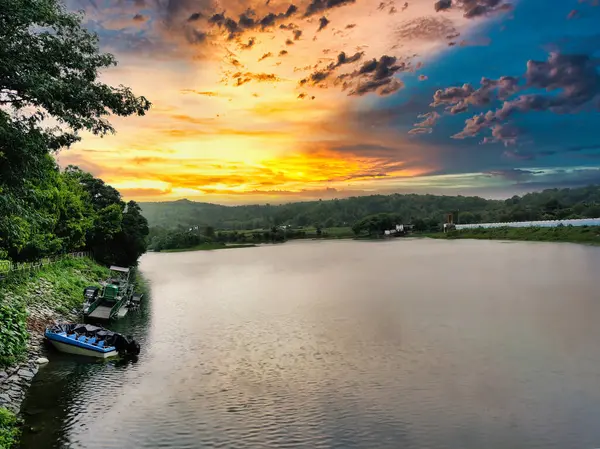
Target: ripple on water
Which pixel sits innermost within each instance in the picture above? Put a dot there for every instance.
(338, 348)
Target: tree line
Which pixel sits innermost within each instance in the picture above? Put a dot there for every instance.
(425, 212)
(49, 94)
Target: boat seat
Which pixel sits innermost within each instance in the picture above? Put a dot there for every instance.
(101, 344)
(63, 334)
(92, 340)
(82, 339)
(73, 336)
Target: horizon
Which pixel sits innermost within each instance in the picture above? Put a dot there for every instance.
(279, 102)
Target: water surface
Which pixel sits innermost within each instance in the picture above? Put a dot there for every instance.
(412, 344)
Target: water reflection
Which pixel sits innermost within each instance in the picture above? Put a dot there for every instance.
(405, 344)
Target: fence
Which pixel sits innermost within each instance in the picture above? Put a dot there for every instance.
(7, 267)
(534, 224)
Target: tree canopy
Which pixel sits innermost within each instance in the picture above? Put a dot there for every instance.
(49, 94)
(426, 212)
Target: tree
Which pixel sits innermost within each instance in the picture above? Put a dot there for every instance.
(209, 232)
(49, 67)
(130, 243)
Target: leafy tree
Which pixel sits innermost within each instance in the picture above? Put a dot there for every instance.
(49, 93)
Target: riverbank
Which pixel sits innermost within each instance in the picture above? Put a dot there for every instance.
(208, 247)
(589, 235)
(28, 302)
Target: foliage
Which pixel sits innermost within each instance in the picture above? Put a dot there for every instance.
(573, 234)
(376, 224)
(66, 280)
(13, 336)
(9, 430)
(426, 212)
(162, 239)
(49, 70)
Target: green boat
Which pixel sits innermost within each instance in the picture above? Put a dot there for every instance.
(113, 299)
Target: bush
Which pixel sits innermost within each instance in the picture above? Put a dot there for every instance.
(13, 338)
(9, 431)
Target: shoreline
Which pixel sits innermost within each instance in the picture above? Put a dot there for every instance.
(583, 235)
(32, 302)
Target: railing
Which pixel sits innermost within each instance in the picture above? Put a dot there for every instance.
(532, 224)
(7, 267)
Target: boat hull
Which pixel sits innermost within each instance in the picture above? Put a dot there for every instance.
(77, 350)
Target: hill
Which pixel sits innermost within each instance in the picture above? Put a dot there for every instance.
(550, 204)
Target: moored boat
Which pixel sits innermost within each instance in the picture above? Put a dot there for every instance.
(113, 299)
(91, 341)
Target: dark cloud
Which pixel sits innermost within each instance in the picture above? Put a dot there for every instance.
(265, 56)
(572, 82)
(297, 34)
(247, 22)
(321, 75)
(404, 6)
(458, 99)
(393, 10)
(289, 42)
(195, 17)
(323, 22)
(140, 18)
(442, 5)
(302, 96)
(474, 8)
(283, 52)
(428, 120)
(350, 26)
(420, 131)
(289, 26)
(385, 86)
(373, 76)
(317, 6)
(243, 78)
(513, 174)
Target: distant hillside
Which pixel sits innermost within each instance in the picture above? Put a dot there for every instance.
(549, 204)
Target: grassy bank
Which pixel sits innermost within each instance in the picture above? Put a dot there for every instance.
(54, 289)
(569, 234)
(28, 302)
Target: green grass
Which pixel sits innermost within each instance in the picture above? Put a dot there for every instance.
(210, 247)
(9, 430)
(58, 287)
(571, 234)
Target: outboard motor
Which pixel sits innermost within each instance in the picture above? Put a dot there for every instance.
(126, 346)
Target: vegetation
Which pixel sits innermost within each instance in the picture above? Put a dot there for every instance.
(376, 224)
(573, 234)
(196, 238)
(425, 212)
(59, 287)
(9, 432)
(49, 67)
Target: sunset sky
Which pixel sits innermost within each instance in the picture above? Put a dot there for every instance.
(273, 101)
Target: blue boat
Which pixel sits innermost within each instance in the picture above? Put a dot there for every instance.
(91, 341)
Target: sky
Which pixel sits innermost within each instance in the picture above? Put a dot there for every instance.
(288, 100)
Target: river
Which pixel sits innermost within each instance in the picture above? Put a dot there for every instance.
(404, 344)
